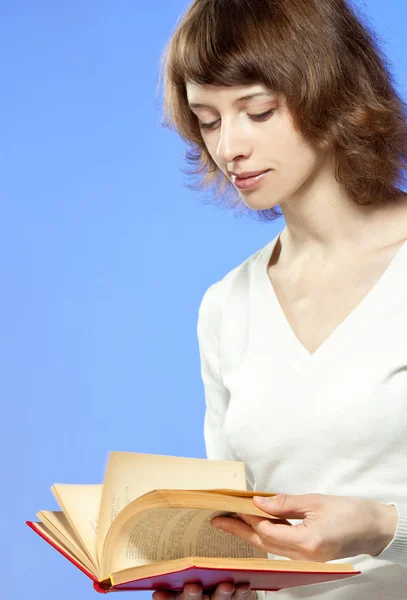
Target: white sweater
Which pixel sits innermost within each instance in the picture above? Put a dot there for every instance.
(332, 422)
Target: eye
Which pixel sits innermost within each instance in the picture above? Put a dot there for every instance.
(260, 117)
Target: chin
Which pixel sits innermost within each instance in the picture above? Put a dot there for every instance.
(260, 205)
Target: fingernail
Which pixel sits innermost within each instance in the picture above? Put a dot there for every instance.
(227, 592)
(244, 590)
(193, 591)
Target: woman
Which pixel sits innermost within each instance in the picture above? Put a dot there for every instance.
(304, 345)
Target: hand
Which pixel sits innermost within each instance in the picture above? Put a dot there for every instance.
(333, 527)
(224, 591)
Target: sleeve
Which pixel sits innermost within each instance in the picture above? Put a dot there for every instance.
(396, 550)
(216, 394)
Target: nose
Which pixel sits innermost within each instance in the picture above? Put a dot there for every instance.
(232, 142)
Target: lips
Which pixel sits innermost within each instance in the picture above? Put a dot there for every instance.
(249, 182)
(251, 174)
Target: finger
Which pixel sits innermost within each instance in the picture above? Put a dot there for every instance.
(265, 535)
(290, 506)
(192, 591)
(239, 528)
(252, 520)
(164, 595)
(273, 535)
(224, 591)
(243, 591)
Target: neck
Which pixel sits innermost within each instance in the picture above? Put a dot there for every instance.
(323, 222)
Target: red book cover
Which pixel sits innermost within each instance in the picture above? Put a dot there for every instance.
(272, 581)
(208, 577)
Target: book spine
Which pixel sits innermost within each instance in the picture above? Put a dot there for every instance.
(99, 588)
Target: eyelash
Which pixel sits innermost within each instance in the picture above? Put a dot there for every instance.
(261, 117)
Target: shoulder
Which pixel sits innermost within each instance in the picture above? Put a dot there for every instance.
(236, 281)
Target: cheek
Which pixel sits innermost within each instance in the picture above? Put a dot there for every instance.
(298, 163)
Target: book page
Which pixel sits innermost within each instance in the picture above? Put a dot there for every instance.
(172, 533)
(130, 475)
(81, 503)
(48, 535)
(58, 525)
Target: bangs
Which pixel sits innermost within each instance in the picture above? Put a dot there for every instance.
(229, 43)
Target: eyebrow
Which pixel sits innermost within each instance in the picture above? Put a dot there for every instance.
(248, 97)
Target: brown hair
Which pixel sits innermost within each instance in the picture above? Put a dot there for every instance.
(316, 53)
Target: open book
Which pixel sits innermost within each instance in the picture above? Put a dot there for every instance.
(147, 527)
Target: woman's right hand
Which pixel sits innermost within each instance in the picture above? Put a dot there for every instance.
(224, 591)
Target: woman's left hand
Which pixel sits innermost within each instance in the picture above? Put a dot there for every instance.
(333, 527)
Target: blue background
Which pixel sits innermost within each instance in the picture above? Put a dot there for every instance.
(104, 258)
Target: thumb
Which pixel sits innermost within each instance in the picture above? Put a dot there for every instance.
(289, 506)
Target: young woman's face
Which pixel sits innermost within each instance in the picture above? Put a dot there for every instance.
(255, 135)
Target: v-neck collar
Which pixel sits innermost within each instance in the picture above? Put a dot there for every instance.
(347, 328)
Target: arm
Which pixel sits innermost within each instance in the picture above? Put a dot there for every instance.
(216, 394)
